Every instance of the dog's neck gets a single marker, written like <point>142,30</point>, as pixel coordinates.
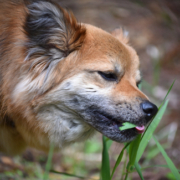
<point>63,127</point>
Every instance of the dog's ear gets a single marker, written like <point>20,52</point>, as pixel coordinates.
<point>121,35</point>
<point>52,33</point>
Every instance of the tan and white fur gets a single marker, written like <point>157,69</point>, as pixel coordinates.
<point>61,80</point>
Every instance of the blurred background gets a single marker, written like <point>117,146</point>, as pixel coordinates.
<point>154,31</point>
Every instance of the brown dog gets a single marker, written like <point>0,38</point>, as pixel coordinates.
<point>61,80</point>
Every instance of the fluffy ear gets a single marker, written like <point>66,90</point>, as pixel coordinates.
<point>121,35</point>
<point>52,33</point>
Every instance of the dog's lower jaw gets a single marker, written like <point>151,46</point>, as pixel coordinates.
<point>63,128</point>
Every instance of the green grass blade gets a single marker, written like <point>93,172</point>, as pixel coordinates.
<point>133,148</point>
<point>155,151</point>
<point>119,159</point>
<point>67,174</point>
<point>48,164</point>
<point>105,167</point>
<point>138,169</point>
<point>72,175</point>
<point>108,143</point>
<point>127,125</point>
<point>152,153</point>
<point>163,101</point>
<point>167,94</point>
<point>127,173</point>
<point>168,160</point>
<point>149,132</point>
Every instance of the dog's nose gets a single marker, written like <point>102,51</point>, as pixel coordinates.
<point>149,109</point>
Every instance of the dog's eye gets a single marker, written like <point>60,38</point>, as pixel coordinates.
<point>108,76</point>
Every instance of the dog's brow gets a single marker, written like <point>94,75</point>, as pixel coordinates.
<point>118,69</point>
<point>99,69</point>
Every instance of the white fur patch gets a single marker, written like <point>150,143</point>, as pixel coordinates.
<point>27,86</point>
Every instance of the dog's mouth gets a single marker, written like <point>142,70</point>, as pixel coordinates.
<point>110,127</point>
<point>138,128</point>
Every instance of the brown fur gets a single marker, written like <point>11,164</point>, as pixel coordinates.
<point>85,49</point>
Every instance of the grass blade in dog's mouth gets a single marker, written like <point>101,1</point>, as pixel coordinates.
<point>127,125</point>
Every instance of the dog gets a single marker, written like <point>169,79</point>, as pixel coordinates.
<point>60,80</point>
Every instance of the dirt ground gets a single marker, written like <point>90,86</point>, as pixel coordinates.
<point>154,31</point>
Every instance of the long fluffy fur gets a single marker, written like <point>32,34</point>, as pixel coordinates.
<point>34,39</point>
<point>53,34</point>
<point>51,84</point>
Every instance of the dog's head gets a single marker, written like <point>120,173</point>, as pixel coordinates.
<point>76,78</point>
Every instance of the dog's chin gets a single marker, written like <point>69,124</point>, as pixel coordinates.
<point>110,128</point>
<point>113,132</point>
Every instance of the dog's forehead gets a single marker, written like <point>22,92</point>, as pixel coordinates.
<point>105,51</point>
